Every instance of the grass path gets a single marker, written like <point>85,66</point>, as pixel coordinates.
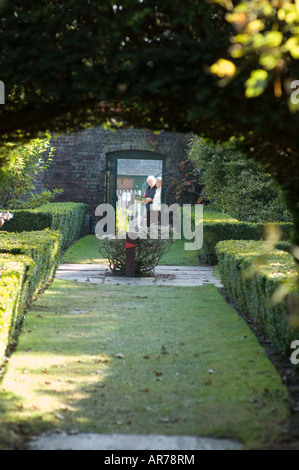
<point>123,359</point>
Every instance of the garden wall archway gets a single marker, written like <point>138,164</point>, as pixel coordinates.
<point>79,164</point>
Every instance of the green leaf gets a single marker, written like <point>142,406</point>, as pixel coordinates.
<point>256,84</point>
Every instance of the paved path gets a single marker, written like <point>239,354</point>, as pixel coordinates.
<point>86,441</point>
<point>164,275</point>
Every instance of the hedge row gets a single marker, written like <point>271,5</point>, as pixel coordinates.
<point>43,247</point>
<point>218,226</point>
<point>14,281</point>
<point>250,278</point>
<point>30,248</point>
<point>67,217</point>
<point>28,263</point>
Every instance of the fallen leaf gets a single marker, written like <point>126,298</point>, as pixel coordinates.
<point>65,408</point>
<point>157,373</point>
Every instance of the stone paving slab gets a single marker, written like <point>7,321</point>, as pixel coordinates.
<point>189,276</point>
<point>89,441</point>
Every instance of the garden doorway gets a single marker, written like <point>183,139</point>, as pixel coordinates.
<point>126,175</point>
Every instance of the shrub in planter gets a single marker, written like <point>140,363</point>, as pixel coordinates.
<point>150,247</point>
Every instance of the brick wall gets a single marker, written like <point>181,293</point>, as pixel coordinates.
<point>80,161</point>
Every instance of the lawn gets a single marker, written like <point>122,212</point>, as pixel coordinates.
<point>86,250</point>
<point>125,359</point>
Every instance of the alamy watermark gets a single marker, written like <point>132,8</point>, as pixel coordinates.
<point>294,356</point>
<point>186,222</point>
<point>2,92</point>
<point>295,86</point>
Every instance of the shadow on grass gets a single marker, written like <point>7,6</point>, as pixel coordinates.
<point>171,361</point>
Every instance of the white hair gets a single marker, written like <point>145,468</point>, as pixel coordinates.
<point>151,178</point>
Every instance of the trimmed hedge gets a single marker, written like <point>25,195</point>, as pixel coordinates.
<point>14,282</point>
<point>67,217</point>
<point>218,226</point>
<point>250,278</point>
<point>43,247</point>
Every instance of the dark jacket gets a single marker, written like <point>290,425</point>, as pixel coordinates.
<point>150,192</point>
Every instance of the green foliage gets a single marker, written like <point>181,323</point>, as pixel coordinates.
<point>67,217</point>
<point>43,247</point>
<point>187,188</point>
<point>251,278</point>
<point>37,200</point>
<point>218,226</point>
<point>27,162</point>
<point>119,73</point>
<point>14,280</point>
<point>236,184</point>
<point>266,30</point>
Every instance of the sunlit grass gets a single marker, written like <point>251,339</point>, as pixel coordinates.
<point>174,361</point>
<point>86,250</point>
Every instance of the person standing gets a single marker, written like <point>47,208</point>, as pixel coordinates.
<point>157,202</point>
<point>149,197</point>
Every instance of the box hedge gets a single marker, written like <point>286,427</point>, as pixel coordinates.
<point>251,277</point>
<point>67,217</point>
<point>14,283</point>
<point>218,226</point>
<point>43,247</point>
